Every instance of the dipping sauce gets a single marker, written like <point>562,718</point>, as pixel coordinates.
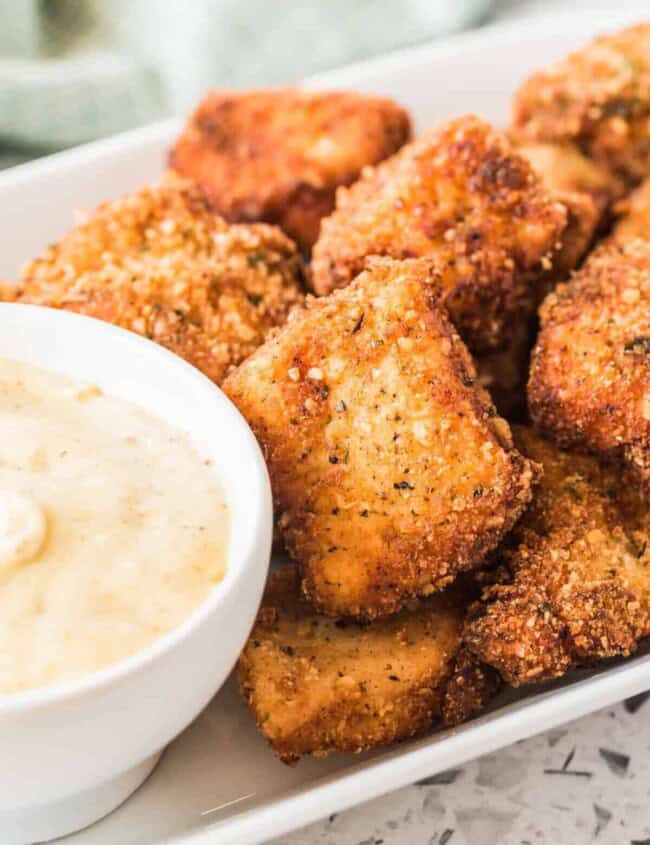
<point>112,528</point>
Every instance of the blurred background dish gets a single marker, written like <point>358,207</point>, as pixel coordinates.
<point>75,70</point>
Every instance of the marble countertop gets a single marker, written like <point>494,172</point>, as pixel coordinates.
<point>588,781</point>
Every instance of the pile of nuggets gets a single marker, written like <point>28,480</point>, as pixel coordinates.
<point>374,306</point>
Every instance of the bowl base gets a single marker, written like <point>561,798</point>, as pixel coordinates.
<point>51,821</point>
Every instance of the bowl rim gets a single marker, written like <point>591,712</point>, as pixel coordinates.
<point>259,514</point>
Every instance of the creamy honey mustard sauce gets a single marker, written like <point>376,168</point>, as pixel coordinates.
<point>112,528</point>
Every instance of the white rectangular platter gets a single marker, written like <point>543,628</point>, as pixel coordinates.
<point>218,783</point>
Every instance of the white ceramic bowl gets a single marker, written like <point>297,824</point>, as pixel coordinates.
<point>70,753</point>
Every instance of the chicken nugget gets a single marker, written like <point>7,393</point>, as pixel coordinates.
<point>590,374</point>
<point>598,98</point>
<point>588,191</point>
<point>317,685</point>
<point>279,155</point>
<point>461,195</point>
<point>390,469</point>
<point>160,263</point>
<point>576,583</point>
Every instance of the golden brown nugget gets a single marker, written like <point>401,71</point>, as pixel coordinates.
<point>462,196</point>
<point>390,469</point>
<point>576,581</point>
<point>587,189</point>
<point>279,155</point>
<point>597,98</point>
<point>317,685</point>
<point>590,375</point>
<point>160,263</point>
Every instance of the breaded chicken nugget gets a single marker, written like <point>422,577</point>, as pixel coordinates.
<point>161,263</point>
<point>576,581</point>
<point>590,373</point>
<point>586,188</point>
<point>279,156</point>
<point>317,685</point>
<point>598,98</point>
<point>390,469</point>
<point>462,196</point>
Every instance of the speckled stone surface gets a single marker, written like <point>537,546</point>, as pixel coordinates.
<point>588,781</point>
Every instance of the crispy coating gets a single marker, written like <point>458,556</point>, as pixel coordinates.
<point>590,375</point>
<point>471,686</point>
<point>565,170</point>
<point>587,189</point>
<point>575,585</point>
<point>462,196</point>
<point>390,469</point>
<point>597,98</point>
<point>279,155</point>
<point>160,263</point>
<point>317,685</point>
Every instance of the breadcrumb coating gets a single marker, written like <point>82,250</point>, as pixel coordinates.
<point>460,195</point>
<point>587,190</point>
<point>160,263</point>
<point>590,375</point>
<point>390,469</point>
<point>317,685</point>
<point>470,687</point>
<point>279,155</point>
<point>598,98</point>
<point>565,170</point>
<point>575,585</point>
